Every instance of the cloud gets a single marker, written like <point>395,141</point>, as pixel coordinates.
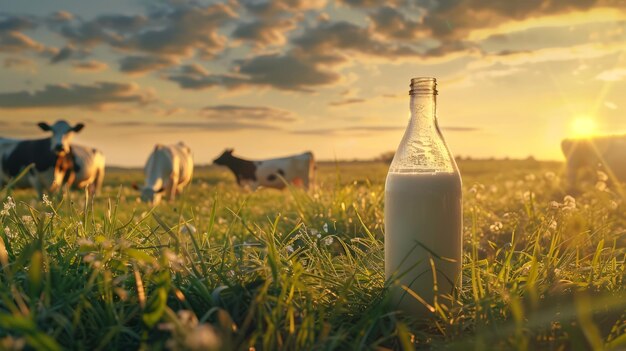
<point>190,126</point>
<point>330,36</point>
<point>15,23</point>
<point>195,77</point>
<point>60,17</point>
<point>552,54</point>
<point>346,102</point>
<point>96,95</point>
<point>291,71</point>
<point>368,130</point>
<point>454,19</point>
<point>247,113</point>
<point>612,75</point>
<point>109,29</point>
<point>90,66</point>
<point>65,53</point>
<point>144,64</point>
<point>392,23</point>
<point>274,7</point>
<point>371,3</point>
<point>264,32</point>
<point>187,29</point>
<point>13,42</point>
<point>19,63</point>
<point>217,126</point>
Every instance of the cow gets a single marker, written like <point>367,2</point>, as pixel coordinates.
<point>271,173</point>
<point>606,153</point>
<point>86,169</point>
<point>48,157</point>
<point>168,170</point>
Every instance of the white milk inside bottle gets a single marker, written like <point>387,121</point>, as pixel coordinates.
<point>423,212</point>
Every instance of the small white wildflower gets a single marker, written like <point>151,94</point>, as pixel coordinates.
<point>613,205</point>
<point>84,242</point>
<point>8,206</point>
<point>49,214</point>
<point>602,177</point>
<point>289,249</point>
<point>569,203</point>
<point>27,220</point>
<point>325,227</point>
<point>552,225</point>
<point>496,227</point>
<point>527,195</point>
<point>314,232</point>
<point>557,272</point>
<point>550,176</point>
<point>601,186</point>
<point>328,240</point>
<point>554,204</point>
<point>176,262</point>
<point>46,201</point>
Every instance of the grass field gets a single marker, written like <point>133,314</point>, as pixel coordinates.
<point>223,268</point>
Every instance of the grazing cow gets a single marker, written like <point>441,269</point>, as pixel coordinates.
<point>606,153</point>
<point>271,173</point>
<point>168,170</point>
<point>47,155</point>
<point>87,169</point>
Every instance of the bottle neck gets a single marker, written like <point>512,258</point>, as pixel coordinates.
<point>423,109</point>
<point>423,149</point>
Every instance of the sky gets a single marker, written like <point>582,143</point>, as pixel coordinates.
<point>272,78</point>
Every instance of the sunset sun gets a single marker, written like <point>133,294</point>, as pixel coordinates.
<point>583,126</point>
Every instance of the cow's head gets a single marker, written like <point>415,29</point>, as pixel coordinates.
<point>62,135</point>
<point>224,158</point>
<point>150,195</point>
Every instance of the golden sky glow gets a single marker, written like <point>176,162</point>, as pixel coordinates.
<point>583,127</point>
<point>280,77</point>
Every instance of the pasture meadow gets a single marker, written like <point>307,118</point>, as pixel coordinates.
<point>227,269</point>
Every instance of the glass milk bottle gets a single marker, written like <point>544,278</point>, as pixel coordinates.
<point>423,211</point>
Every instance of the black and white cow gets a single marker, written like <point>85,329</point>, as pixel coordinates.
<point>87,168</point>
<point>47,155</point>
<point>168,170</point>
<point>272,173</point>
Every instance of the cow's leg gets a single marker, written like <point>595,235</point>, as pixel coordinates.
<point>171,188</point>
<point>305,182</point>
<point>98,181</point>
<point>35,182</point>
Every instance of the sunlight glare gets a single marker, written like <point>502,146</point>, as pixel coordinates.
<point>582,127</point>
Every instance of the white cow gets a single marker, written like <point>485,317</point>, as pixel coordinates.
<point>48,157</point>
<point>272,173</point>
<point>168,170</point>
<point>88,168</point>
<point>606,153</point>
